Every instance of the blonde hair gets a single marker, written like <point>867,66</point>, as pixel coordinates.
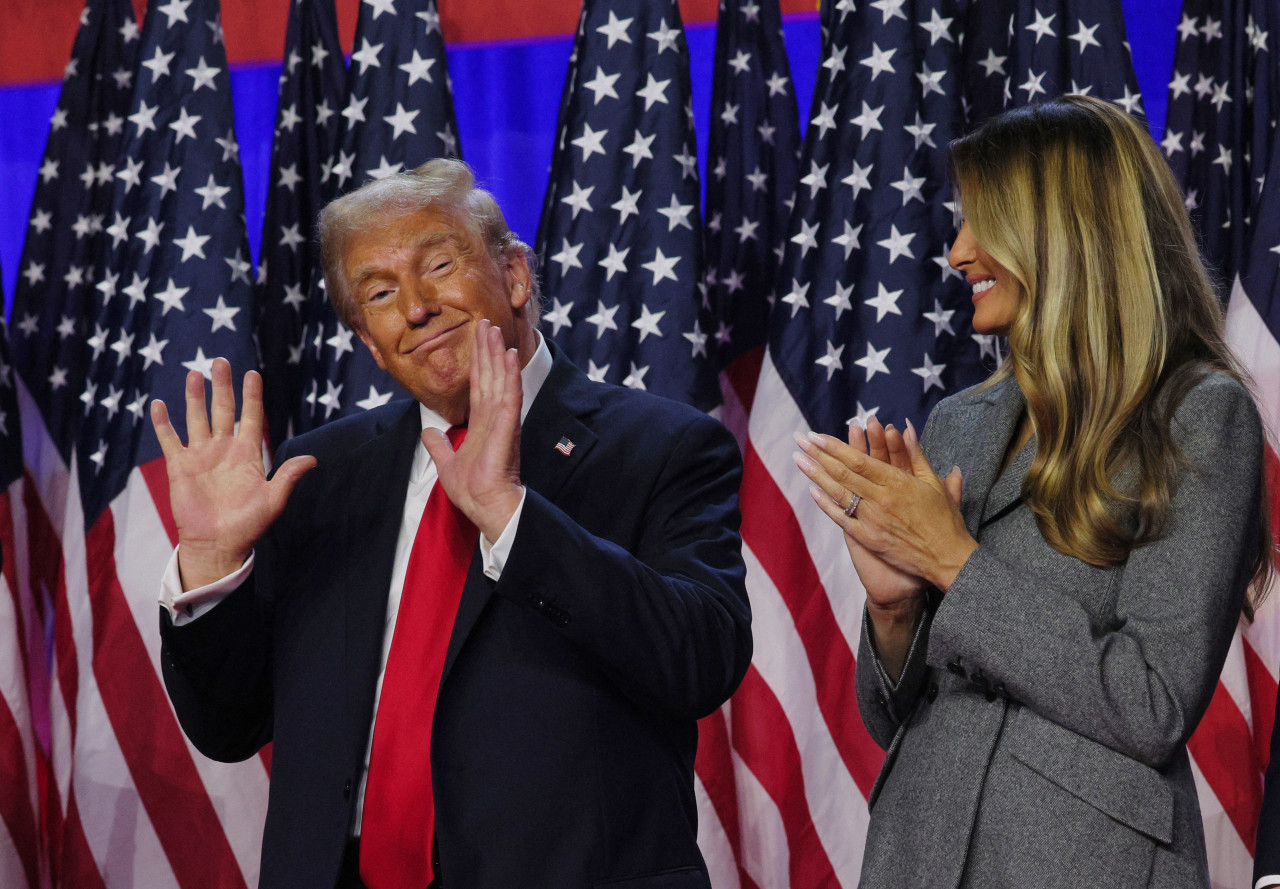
<point>1117,318</point>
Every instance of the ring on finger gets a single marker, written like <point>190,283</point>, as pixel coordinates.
<point>852,509</point>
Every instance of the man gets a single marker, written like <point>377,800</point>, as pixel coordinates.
<point>601,613</point>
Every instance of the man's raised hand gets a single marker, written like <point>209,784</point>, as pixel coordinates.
<point>221,498</point>
<point>482,478</point>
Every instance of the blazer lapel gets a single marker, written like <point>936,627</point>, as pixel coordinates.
<point>992,423</point>
<point>553,443</point>
<point>554,440</point>
<point>1007,490</point>
<point>377,479</point>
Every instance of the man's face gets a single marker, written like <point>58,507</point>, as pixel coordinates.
<point>420,283</point>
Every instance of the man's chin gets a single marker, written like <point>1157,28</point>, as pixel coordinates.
<point>452,405</point>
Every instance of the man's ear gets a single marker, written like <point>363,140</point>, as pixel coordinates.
<point>519,279</point>
<point>372,346</point>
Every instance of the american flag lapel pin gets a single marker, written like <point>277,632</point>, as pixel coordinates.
<point>565,446</point>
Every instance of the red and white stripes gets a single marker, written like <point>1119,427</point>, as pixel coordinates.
<point>127,800</point>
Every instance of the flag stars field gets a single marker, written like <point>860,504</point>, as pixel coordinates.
<point>625,143</point>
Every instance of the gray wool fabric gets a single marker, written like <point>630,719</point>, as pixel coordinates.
<point>1037,736</point>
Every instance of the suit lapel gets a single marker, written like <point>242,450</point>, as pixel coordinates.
<point>377,479</point>
<point>989,428</point>
<point>554,441</point>
<point>1007,489</point>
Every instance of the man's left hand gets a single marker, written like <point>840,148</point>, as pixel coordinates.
<point>482,478</point>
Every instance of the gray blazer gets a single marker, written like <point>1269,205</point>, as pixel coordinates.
<point>1037,736</point>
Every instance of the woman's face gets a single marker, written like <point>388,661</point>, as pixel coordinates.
<point>995,290</point>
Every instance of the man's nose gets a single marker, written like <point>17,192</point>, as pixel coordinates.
<point>417,302</point>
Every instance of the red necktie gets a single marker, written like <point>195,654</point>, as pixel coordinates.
<point>399,813</point>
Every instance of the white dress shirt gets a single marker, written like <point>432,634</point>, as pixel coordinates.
<point>187,606</point>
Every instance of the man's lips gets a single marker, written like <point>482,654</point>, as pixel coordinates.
<point>432,339</point>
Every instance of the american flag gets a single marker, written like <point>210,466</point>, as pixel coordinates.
<point>870,321</point>
<point>865,261</point>
<point>1253,330</point>
<point>69,224</point>
<point>397,114</point>
<point>1220,126</point>
<point>23,755</point>
<point>308,124</point>
<point>619,243</point>
<point>170,290</point>
<point>1219,139</point>
<point>1023,51</point>
<point>60,266</point>
<point>753,154</point>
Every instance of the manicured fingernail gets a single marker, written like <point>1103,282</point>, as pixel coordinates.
<point>817,439</point>
<point>802,461</point>
<point>911,433</point>
<point>800,440</point>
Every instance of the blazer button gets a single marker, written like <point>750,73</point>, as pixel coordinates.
<point>931,694</point>
<point>954,667</point>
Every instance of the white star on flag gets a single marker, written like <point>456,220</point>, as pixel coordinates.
<point>661,266</point>
<point>831,360</point>
<point>874,361</point>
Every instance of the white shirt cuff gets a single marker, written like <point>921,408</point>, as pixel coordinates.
<point>1268,880</point>
<point>187,606</point>
<point>495,554</point>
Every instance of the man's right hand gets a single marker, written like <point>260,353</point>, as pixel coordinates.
<point>221,498</point>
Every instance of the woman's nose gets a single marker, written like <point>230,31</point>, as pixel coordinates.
<point>962,251</point>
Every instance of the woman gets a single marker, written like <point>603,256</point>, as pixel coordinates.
<point>1038,648</point>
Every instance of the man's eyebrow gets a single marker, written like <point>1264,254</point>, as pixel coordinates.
<point>361,274</point>
<point>435,239</point>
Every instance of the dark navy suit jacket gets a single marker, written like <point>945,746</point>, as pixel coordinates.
<point>564,735</point>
